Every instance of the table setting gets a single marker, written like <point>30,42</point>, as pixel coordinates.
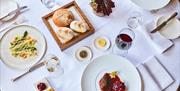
<point>89,45</point>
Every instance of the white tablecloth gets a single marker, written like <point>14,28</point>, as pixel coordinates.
<point>108,26</point>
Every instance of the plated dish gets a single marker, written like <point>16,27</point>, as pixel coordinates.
<point>109,64</point>
<point>172,29</point>
<point>110,81</point>
<point>43,85</point>
<point>7,6</point>
<point>151,4</point>
<point>22,46</point>
<point>102,7</point>
<point>68,25</point>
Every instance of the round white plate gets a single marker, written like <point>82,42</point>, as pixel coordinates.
<point>7,6</point>
<point>151,4</point>
<point>172,29</point>
<point>19,63</point>
<point>110,63</point>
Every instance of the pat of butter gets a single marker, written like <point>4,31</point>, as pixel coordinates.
<point>102,42</point>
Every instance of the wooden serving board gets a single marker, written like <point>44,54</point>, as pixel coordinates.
<point>79,15</point>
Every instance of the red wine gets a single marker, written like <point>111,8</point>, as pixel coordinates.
<point>123,41</point>
<point>125,37</point>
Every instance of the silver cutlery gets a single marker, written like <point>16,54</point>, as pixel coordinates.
<point>14,11</point>
<point>158,28</point>
<point>36,66</point>
<point>18,21</point>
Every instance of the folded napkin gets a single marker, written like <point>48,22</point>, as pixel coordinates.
<point>158,42</point>
<point>154,75</point>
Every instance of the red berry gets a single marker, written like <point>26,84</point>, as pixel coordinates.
<point>41,86</point>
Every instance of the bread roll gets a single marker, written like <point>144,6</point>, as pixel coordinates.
<point>65,34</point>
<point>78,26</point>
<point>62,17</point>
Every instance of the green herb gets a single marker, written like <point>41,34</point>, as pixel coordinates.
<point>25,34</point>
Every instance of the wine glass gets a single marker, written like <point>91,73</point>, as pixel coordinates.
<point>123,41</point>
<point>53,65</point>
<point>51,4</point>
<point>134,20</point>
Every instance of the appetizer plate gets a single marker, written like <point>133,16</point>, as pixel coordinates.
<point>151,4</point>
<point>78,16</point>
<point>108,63</point>
<point>17,62</point>
<point>7,6</point>
<point>172,29</point>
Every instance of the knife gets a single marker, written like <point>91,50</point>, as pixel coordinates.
<point>164,23</point>
<point>13,12</point>
<point>36,66</point>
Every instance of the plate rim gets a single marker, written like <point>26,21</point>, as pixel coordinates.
<point>133,1</point>
<point>116,56</point>
<point>9,30</point>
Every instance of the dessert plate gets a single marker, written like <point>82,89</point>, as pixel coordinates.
<point>17,62</point>
<point>7,6</point>
<point>110,63</point>
<point>172,29</point>
<point>151,4</point>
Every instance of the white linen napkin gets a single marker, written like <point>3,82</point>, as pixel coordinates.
<point>156,40</point>
<point>155,75</point>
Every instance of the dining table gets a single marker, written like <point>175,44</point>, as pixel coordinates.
<point>108,26</point>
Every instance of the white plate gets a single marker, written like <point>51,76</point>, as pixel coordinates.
<point>7,6</point>
<point>151,4</point>
<point>172,29</point>
<point>16,62</point>
<point>108,43</point>
<point>110,63</point>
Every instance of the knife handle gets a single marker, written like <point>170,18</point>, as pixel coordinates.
<point>18,77</point>
<point>164,23</point>
<point>159,27</point>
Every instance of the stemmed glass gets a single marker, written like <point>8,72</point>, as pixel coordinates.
<point>51,4</point>
<point>134,20</point>
<point>53,65</point>
<point>123,41</point>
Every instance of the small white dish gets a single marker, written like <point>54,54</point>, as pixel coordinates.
<point>6,6</point>
<point>79,52</point>
<point>47,84</point>
<point>106,45</point>
<point>171,30</point>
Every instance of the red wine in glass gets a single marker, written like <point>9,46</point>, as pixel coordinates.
<point>123,41</point>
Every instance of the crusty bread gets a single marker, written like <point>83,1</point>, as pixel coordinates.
<point>65,34</point>
<point>78,26</point>
<point>62,17</point>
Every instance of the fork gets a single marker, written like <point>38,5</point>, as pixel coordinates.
<point>18,21</point>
